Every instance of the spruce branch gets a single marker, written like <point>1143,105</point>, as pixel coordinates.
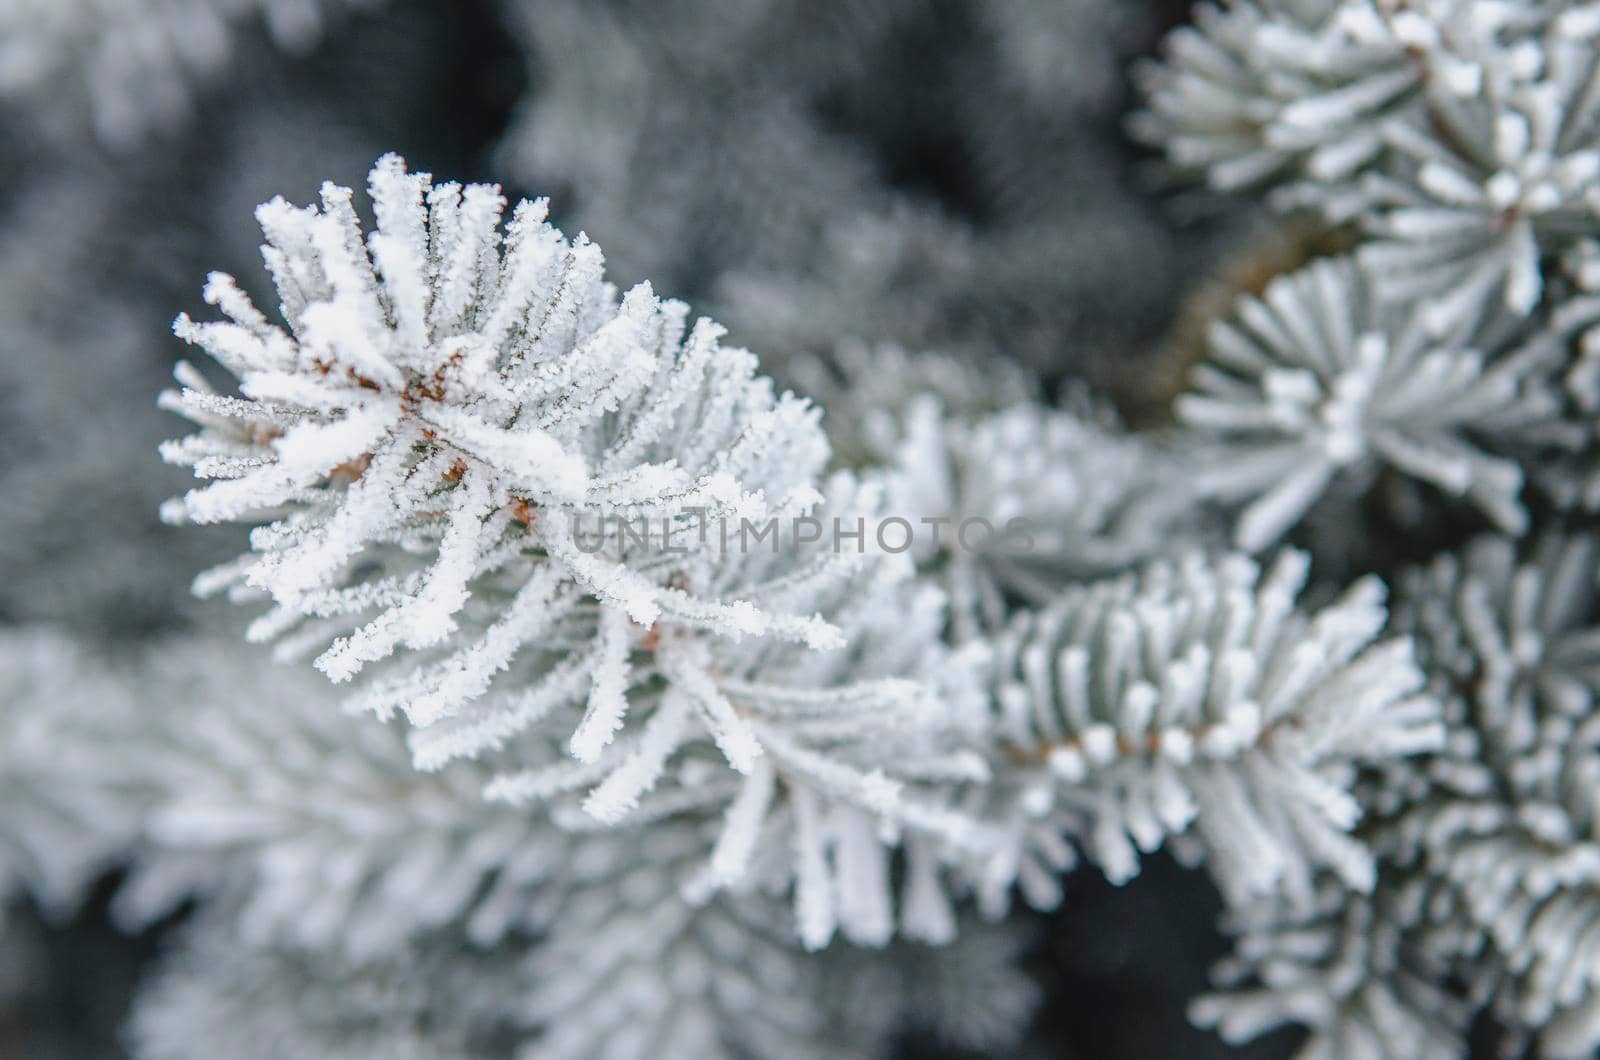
<point>1199,696</point>
<point>1320,382</point>
<point>453,448</point>
<point>1487,861</point>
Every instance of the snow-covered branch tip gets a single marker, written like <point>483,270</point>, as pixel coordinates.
<point>1462,137</point>
<point>1200,696</point>
<point>1319,384</point>
<point>463,443</point>
<point>1504,838</point>
<point>1488,868</point>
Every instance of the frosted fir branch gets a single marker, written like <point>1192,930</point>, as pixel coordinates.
<point>1488,187</point>
<point>1199,696</point>
<point>1459,134</point>
<point>469,706</point>
<point>1504,838</point>
<point>626,965</point>
<point>1320,383</point>
<point>317,849</point>
<point>995,494</point>
<point>129,70</point>
<point>1266,90</point>
<point>1488,871</point>
<point>452,413</point>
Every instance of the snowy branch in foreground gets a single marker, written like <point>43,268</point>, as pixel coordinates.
<point>466,457</point>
